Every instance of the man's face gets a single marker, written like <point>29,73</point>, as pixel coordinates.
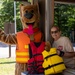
<point>55,33</point>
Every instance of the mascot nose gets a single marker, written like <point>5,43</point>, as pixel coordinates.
<point>28,15</point>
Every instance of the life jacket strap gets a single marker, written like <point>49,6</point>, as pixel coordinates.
<point>53,65</point>
<point>50,56</point>
<point>36,55</point>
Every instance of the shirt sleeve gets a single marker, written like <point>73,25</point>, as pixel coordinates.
<point>68,45</point>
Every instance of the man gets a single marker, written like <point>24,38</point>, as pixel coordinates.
<point>64,49</point>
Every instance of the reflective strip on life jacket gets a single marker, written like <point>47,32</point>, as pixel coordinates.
<point>22,60</point>
<point>22,56</point>
<point>52,62</point>
<point>22,51</point>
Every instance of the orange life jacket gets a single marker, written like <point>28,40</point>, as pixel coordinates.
<point>22,50</point>
<point>38,36</point>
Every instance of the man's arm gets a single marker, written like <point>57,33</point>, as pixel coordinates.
<point>66,54</point>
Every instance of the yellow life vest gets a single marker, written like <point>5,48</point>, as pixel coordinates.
<point>22,50</point>
<point>52,62</point>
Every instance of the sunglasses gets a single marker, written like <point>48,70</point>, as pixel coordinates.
<point>52,32</point>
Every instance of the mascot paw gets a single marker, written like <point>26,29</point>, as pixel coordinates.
<point>47,46</point>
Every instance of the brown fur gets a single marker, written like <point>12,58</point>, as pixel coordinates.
<point>11,38</point>
<point>47,46</point>
<point>35,18</point>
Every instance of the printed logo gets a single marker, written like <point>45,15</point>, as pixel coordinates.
<point>60,48</point>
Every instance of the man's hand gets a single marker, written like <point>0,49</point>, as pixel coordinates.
<point>60,53</point>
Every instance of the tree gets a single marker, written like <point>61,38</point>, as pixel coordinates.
<point>7,13</point>
<point>65,18</point>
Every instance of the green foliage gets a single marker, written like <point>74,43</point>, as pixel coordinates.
<point>7,13</point>
<point>65,17</point>
<point>18,21</point>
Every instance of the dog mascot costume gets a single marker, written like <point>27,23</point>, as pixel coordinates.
<point>31,33</point>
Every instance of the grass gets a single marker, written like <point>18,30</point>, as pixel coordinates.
<point>7,66</point>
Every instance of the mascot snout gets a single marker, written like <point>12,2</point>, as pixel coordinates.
<point>28,15</point>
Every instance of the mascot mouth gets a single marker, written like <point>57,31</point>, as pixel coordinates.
<point>30,23</point>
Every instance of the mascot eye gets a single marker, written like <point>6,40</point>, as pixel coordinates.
<point>32,11</point>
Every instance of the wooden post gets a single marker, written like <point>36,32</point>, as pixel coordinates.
<point>9,28</point>
<point>41,4</point>
<point>65,1</point>
<point>49,18</point>
<point>46,8</point>
<point>9,51</point>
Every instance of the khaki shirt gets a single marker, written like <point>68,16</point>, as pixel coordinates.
<point>64,44</point>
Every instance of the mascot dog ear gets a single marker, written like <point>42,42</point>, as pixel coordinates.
<point>23,4</point>
<point>21,10</point>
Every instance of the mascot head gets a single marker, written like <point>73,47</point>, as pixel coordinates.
<point>29,16</point>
